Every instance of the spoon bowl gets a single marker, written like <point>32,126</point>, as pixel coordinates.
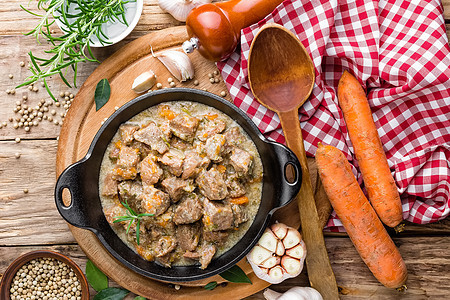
<point>282,73</point>
<point>281,76</point>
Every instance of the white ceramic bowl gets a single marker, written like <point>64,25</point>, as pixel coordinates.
<point>116,31</point>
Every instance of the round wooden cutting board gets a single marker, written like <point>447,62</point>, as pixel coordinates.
<point>80,126</point>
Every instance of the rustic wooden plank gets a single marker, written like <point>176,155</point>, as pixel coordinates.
<point>17,21</point>
<point>31,218</point>
<point>427,260</point>
<point>26,219</point>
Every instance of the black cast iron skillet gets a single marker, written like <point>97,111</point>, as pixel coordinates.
<point>85,210</point>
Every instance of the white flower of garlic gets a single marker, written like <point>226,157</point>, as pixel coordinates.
<point>180,9</point>
<point>178,63</point>
<point>279,254</point>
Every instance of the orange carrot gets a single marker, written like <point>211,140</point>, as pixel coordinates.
<point>239,200</point>
<point>380,185</point>
<point>363,226</point>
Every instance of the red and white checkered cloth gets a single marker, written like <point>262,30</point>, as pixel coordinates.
<point>398,50</point>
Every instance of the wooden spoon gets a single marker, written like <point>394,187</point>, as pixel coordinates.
<point>281,76</point>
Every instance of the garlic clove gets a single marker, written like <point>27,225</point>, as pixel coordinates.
<point>258,255</point>
<point>280,249</point>
<point>276,273</point>
<point>178,64</point>
<point>292,238</point>
<point>271,262</point>
<point>144,82</point>
<point>297,293</point>
<point>291,265</point>
<point>180,9</point>
<point>298,251</point>
<point>280,230</point>
<point>268,240</point>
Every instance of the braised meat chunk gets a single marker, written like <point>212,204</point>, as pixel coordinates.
<point>174,162</point>
<point>152,136</point>
<point>193,164</point>
<point>184,126</point>
<point>155,201</point>
<point>217,216</point>
<point>126,133</point>
<point>212,184</point>
<point>215,147</point>
<point>126,166</point>
<point>109,186</point>
<point>216,237</point>
<point>165,245</point>
<point>234,136</point>
<point>150,170</point>
<point>235,187</point>
<point>188,236</point>
<point>175,187</point>
<point>130,191</point>
<point>189,210</point>
<point>113,212</point>
<point>241,160</point>
<point>239,215</point>
<point>210,125</point>
<point>204,254</point>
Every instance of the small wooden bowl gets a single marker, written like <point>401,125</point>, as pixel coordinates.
<point>5,284</point>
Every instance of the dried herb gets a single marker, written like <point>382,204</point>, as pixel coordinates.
<point>112,293</point>
<point>102,93</point>
<point>235,274</point>
<point>81,21</point>
<point>95,277</point>
<point>210,286</point>
<point>131,217</point>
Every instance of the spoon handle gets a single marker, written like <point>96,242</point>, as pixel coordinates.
<point>321,276</point>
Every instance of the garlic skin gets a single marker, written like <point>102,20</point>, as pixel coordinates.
<point>144,82</point>
<point>180,9</point>
<point>279,254</point>
<point>295,293</point>
<point>178,64</point>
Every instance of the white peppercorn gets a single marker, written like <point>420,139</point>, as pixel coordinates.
<point>44,285</point>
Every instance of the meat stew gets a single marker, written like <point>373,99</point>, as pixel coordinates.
<point>194,170</point>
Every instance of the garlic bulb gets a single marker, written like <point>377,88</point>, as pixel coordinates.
<point>295,293</point>
<point>279,254</point>
<point>178,63</point>
<point>144,82</point>
<point>179,9</point>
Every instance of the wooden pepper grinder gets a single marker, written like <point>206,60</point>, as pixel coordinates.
<point>214,29</point>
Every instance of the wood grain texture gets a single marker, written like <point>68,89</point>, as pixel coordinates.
<point>424,247</point>
<point>426,264</point>
<point>29,218</point>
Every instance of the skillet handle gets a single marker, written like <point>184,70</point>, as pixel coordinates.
<point>288,189</point>
<point>76,212</point>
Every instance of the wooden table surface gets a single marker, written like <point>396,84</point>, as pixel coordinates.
<point>30,221</point>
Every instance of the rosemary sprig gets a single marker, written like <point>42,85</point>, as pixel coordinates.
<point>81,21</point>
<point>132,217</point>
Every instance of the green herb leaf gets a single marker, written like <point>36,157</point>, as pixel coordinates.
<point>111,293</point>
<point>210,286</point>
<point>140,298</point>
<point>96,278</point>
<point>102,93</point>
<point>235,274</point>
